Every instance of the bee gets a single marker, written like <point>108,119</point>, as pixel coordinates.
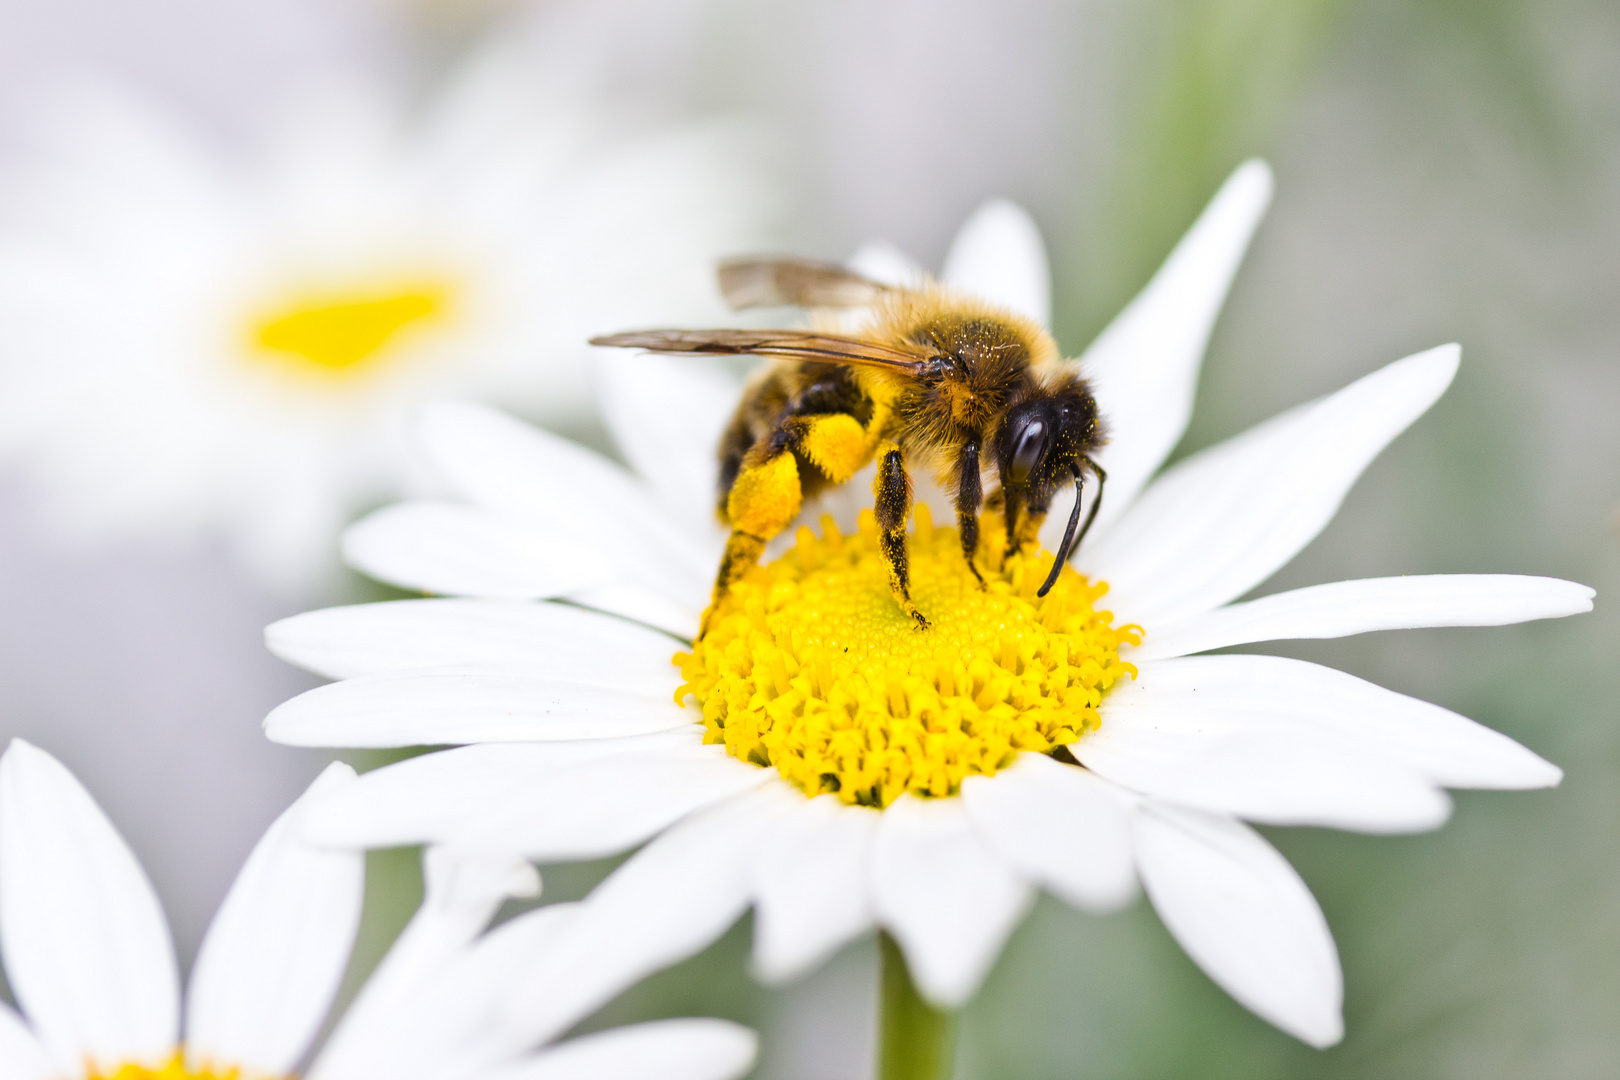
<point>938,379</point>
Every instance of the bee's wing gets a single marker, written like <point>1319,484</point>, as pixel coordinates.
<point>793,344</point>
<point>771,281</point>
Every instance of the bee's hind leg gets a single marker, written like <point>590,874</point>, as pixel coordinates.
<point>764,497</point>
<point>892,505</point>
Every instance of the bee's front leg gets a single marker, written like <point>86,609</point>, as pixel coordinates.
<point>892,505</point>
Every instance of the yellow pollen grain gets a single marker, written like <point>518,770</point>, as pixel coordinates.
<point>173,1069</point>
<point>336,334</point>
<point>810,665</point>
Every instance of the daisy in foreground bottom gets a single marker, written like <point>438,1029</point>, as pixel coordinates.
<point>88,955</point>
<point>921,783</point>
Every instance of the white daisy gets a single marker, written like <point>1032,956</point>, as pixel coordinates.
<point>198,341</point>
<point>581,752</point>
<point>89,958</point>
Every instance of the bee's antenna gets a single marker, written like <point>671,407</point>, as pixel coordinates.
<point>1063,551</point>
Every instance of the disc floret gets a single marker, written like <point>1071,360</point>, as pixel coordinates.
<point>810,666</point>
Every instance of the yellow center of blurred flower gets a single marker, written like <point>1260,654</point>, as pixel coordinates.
<point>173,1069</point>
<point>344,333</point>
<point>810,665</point>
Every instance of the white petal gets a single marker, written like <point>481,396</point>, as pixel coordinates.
<point>21,1055</point>
<point>944,894</point>
<point>690,1049</point>
<point>882,261</point>
<point>670,900</point>
<point>86,947</point>
<point>666,414</point>
<point>1060,827</point>
<point>1202,700</point>
<point>536,478</point>
<point>268,969</point>
<point>810,888</point>
<point>510,798</point>
<point>641,605</point>
<point>463,890</point>
<point>425,708</point>
<point>1144,366</point>
<point>1222,521</point>
<point>1356,607</point>
<point>998,255</point>
<point>556,640</point>
<point>1245,917</point>
<point>449,1024</point>
<point>464,551</point>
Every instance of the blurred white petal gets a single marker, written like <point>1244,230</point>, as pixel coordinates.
<point>21,1055</point>
<point>86,947</point>
<point>660,1050</point>
<point>272,959</point>
<point>998,255</point>
<point>670,900</point>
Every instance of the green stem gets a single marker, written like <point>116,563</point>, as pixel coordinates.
<point>916,1041</point>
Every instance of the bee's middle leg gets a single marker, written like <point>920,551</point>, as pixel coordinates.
<point>892,505</point>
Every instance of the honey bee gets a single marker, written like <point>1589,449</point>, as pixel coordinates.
<point>938,379</point>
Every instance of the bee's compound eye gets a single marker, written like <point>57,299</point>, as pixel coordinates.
<point>1027,453</point>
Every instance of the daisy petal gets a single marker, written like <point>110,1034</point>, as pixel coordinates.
<point>1245,917</point>
<point>1199,702</point>
<point>86,947</point>
<point>1356,607</point>
<point>531,476</point>
<point>671,899</point>
<point>688,1049</point>
<point>508,797</point>
<point>1222,521</point>
<point>666,415</point>
<point>640,605</point>
<point>1144,366</point>
<point>270,964</point>
<point>463,890</point>
<point>998,254</point>
<point>556,640</point>
<point>425,708</point>
<point>882,261</point>
<point>810,887</point>
<point>1059,826</point>
<point>21,1055</point>
<point>944,894</point>
<point>463,551</point>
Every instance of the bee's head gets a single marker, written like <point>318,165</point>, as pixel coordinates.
<point>1044,437</point>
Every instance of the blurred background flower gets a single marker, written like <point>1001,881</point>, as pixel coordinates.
<point>1447,170</point>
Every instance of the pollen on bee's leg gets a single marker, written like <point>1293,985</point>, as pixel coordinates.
<point>765,496</point>
<point>837,444</point>
<point>809,664</point>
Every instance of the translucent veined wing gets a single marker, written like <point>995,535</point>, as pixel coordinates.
<point>792,344</point>
<point>774,281</point>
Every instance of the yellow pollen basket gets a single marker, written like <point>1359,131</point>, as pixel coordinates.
<point>340,334</point>
<point>173,1069</point>
<point>810,665</point>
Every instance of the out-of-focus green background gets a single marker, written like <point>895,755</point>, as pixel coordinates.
<point>1447,170</point>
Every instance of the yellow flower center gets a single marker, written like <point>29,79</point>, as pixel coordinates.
<point>345,333</point>
<point>173,1069</point>
<point>810,665</point>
